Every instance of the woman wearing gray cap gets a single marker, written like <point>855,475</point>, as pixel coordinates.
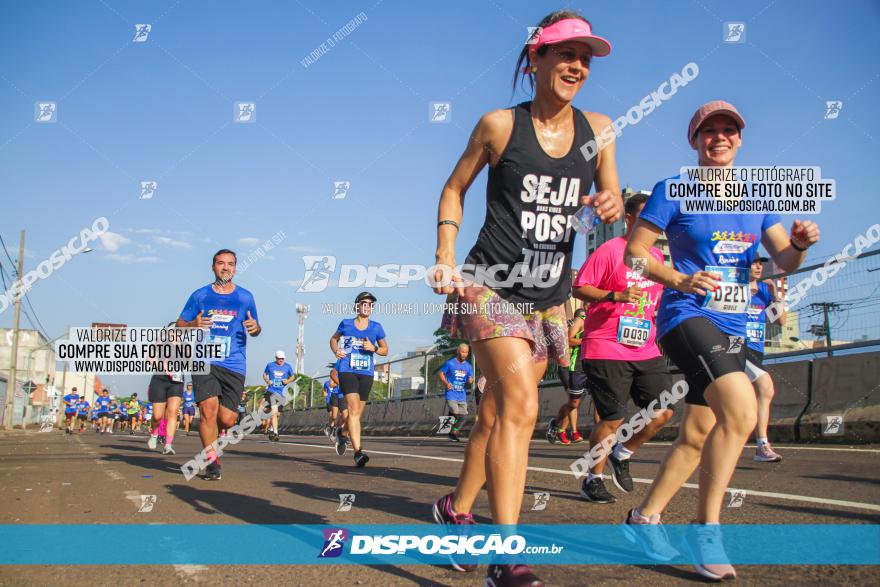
<point>354,343</point>
<point>702,324</point>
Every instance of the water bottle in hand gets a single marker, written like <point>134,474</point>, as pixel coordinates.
<point>585,219</point>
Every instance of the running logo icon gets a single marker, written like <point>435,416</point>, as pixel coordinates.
<point>541,500</point>
<point>245,112</point>
<point>317,276</point>
<point>737,498</point>
<point>147,503</point>
<point>334,542</point>
<point>446,423</point>
<point>832,109</point>
<point>736,344</point>
<point>441,112</point>
<point>734,32</point>
<point>639,266</point>
<point>346,500</point>
<point>141,32</point>
<point>340,189</point>
<point>45,112</point>
<point>833,425</point>
<point>148,189</point>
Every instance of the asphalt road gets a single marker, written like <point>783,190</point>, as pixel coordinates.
<point>53,478</point>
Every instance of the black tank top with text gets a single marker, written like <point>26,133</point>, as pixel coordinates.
<point>523,251</point>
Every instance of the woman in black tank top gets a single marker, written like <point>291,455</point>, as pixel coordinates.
<point>517,275</point>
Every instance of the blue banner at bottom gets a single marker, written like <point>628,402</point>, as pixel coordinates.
<point>136,544</point>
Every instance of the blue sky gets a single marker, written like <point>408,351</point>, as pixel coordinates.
<point>163,110</point>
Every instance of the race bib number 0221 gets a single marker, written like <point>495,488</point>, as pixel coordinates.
<point>732,296</point>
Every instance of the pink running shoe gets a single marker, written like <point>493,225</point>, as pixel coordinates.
<point>765,454</point>
<point>444,515</point>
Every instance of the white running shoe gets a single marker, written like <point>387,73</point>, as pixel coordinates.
<point>169,450</point>
<point>153,442</point>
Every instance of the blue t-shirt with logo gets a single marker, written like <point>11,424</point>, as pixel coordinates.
<point>70,408</point>
<point>351,340</point>
<point>757,314</point>
<point>102,404</point>
<point>82,408</point>
<point>721,243</point>
<point>189,399</point>
<point>277,374</point>
<point>228,311</point>
<point>457,373</point>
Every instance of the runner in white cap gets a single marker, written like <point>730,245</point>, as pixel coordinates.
<point>277,375</point>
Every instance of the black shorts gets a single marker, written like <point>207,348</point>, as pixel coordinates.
<point>754,357</point>
<point>577,384</point>
<point>351,383</point>
<point>612,383</point>
<point>222,383</point>
<point>703,353</point>
<point>478,395</point>
<point>162,387</point>
<point>338,401</point>
<point>82,416</point>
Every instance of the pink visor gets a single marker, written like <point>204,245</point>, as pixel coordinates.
<point>569,29</point>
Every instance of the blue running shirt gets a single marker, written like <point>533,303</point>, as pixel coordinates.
<point>351,340</point>
<point>228,312</point>
<point>721,243</point>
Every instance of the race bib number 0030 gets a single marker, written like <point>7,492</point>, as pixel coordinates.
<point>732,296</point>
<point>633,331</point>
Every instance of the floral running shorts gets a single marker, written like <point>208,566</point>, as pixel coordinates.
<point>475,312</point>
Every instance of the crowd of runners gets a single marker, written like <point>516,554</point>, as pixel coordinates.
<point>702,310</point>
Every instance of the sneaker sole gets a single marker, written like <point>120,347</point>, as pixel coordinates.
<point>589,499</point>
<point>766,459</point>
<point>341,452</point>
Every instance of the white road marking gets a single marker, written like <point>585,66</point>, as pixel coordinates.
<point>786,496</point>
<point>190,570</point>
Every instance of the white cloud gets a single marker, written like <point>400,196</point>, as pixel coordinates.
<point>164,240</point>
<point>146,230</point>
<point>126,259</point>
<point>249,241</point>
<point>112,241</point>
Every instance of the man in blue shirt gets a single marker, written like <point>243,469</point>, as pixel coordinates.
<point>82,412</point>
<point>456,374</point>
<point>102,410</point>
<point>277,375</point>
<point>70,408</point>
<point>230,313</point>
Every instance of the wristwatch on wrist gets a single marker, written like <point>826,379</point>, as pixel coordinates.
<point>610,296</point>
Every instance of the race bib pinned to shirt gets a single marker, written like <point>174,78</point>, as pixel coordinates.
<point>359,359</point>
<point>223,341</point>
<point>732,296</point>
<point>633,331</point>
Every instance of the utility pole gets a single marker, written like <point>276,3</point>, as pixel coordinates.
<point>10,387</point>
<point>826,325</point>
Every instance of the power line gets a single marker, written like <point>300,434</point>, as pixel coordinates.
<point>35,321</point>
